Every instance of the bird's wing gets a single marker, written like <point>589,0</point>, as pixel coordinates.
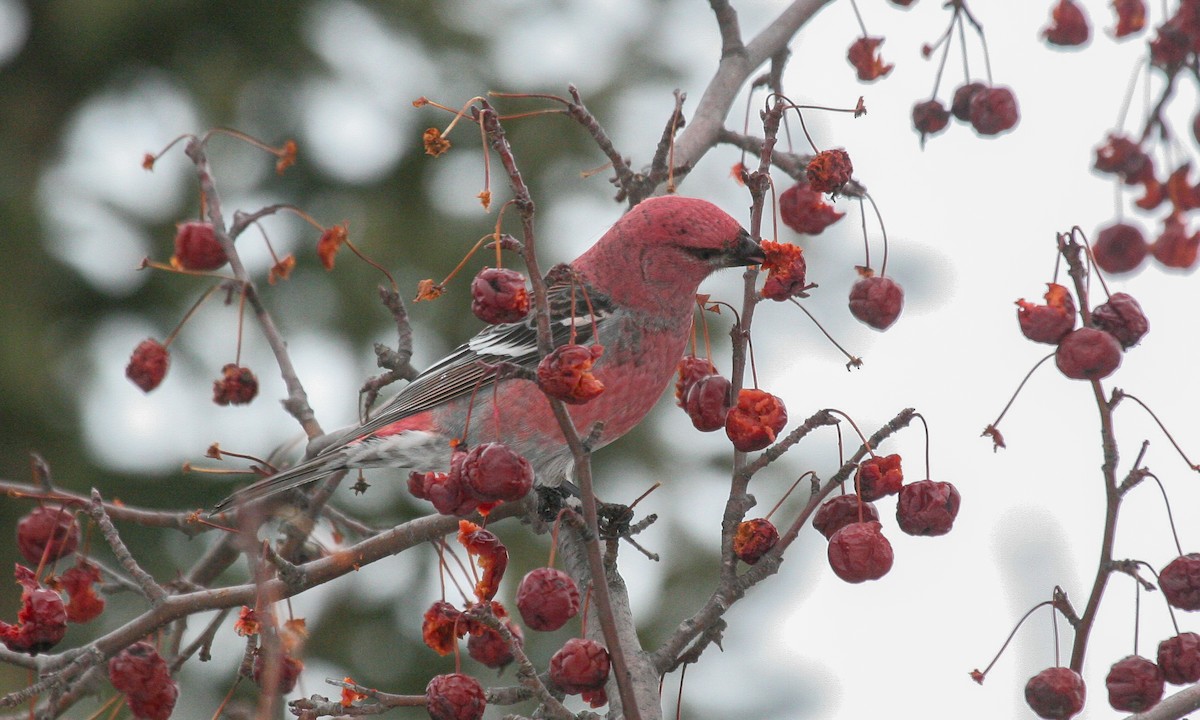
<point>575,309</point>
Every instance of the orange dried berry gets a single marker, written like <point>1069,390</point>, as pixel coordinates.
<point>1175,248</point>
<point>41,621</point>
<point>148,364</point>
<point>804,210</point>
<point>785,268</point>
<point>197,247</point>
<point>247,622</point>
<point>434,143</point>
<point>236,386</point>
<point>282,269</point>
<point>427,289</point>
<point>879,477</point>
<point>756,420</point>
<point>1050,322</point>
<point>287,157</point>
<point>491,555</point>
<point>864,56</point>
<point>691,369</point>
<point>1068,25</point>
<point>332,239</point>
<point>566,373</point>
<point>289,672</point>
<point>442,625</point>
<point>79,583</point>
<point>829,170</point>
<point>753,539</point>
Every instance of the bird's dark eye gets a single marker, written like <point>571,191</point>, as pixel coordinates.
<point>705,254</point>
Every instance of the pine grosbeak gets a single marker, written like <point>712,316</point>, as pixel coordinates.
<point>633,292</point>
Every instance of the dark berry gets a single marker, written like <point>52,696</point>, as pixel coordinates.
<point>879,476</point>
<point>148,364</point>
<point>836,513</point>
<point>236,386</point>
<point>41,621</point>
<point>447,491</point>
<point>1179,658</point>
<point>755,420</point>
<point>708,404</point>
<point>489,647</point>
<point>142,675</point>
<point>691,369</point>
<point>1175,248</point>
<point>1134,684</point>
<point>859,552</point>
<point>498,295</point>
<point>197,247</point>
<point>864,56</point>
<point>455,697</point>
<point>960,106</point>
<point>1120,248</point>
<point>580,665</point>
<point>1056,693</point>
<point>1088,354</point>
<point>1121,317</point>
<point>1180,582</point>
<point>47,531</point>
<point>1068,25</point>
<point>876,301</point>
<point>993,110</point>
<point>753,539</point>
<point>1131,17</point>
<point>829,170</point>
<point>547,598</point>
<point>804,210</point>
<point>441,626</point>
<point>927,507</point>
<point>492,472</point>
<point>930,117</point>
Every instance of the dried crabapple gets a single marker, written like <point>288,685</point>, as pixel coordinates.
<point>490,554</point>
<point>836,513</point>
<point>446,490</point>
<point>1122,317</point>
<point>148,364</point>
<point>498,295</point>
<point>1068,25</point>
<point>876,301</point>
<point>566,373</point>
<point>41,621</point>
<point>236,386</point>
<point>804,210</point>
<point>1180,582</point>
<point>579,665</point>
<point>1056,693</point>
<point>864,56</point>
<point>1169,49</point>
<point>1174,248</point>
<point>487,646</point>
<point>753,539</point>
<point>1088,354</point>
<point>1119,248</point>
<point>1047,323</point>
<point>441,626</point>
<point>708,403</point>
<point>79,583</point>
<point>1125,158</point>
<point>547,598</point>
<point>993,110</point>
<point>289,672</point>
<point>157,705</point>
<point>197,247</point>
<point>785,268</point>
<point>1134,684</point>
<point>1179,658</point>
<point>142,675</point>
<point>754,422</point>
<point>492,472</point>
<point>47,530</point>
<point>455,696</point>
<point>829,170</point>
<point>691,369</point>
<point>879,476</point>
<point>1131,17</point>
<point>930,117</point>
<point>595,698</point>
<point>927,507</point>
<point>859,552</point>
<point>960,105</point>
<point>902,3</point>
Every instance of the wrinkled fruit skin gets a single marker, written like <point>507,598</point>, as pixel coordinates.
<point>1134,684</point>
<point>455,697</point>
<point>579,666</point>
<point>804,210</point>
<point>289,672</point>
<point>488,647</point>
<point>141,674</point>
<point>441,626</point>
<point>566,373</point>
<point>829,170</point>
<point>494,473</point>
<point>47,526</point>
<point>1069,26</point>
<point>1180,582</point>
<point>1047,323</point>
<point>876,301</point>
<point>148,364</point>
<point>930,117</point>
<point>1056,693</point>
<point>753,539</point>
<point>236,386</point>
<point>993,110</point>
<point>927,507</point>
<point>547,598</point>
<point>41,621</point>
<point>446,491</point>
<point>498,295</point>
<point>1179,658</point>
<point>864,56</point>
<point>1122,317</point>
<point>836,513</point>
<point>1120,248</point>
<point>879,477</point>
<point>1088,354</point>
<point>707,403</point>
<point>691,370</point>
<point>755,421</point>
<point>960,106</point>
<point>197,247</point>
<point>859,552</point>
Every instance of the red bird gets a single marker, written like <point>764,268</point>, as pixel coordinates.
<point>633,292</point>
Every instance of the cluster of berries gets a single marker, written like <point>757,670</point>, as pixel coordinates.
<point>1092,352</point>
<point>751,423</point>
<point>989,109</point>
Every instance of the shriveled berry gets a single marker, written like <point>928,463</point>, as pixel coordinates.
<point>864,56</point>
<point>498,295</point>
<point>930,117</point>
<point>993,110</point>
<point>879,476</point>
<point>1088,354</point>
<point>579,665</point>
<point>1068,25</point>
<point>492,472</point>
<point>1179,658</point>
<point>547,598</point>
<point>1056,693</point>
<point>753,539</point>
<point>566,373</point>
<point>289,672</point>
<point>1131,17</point>
<point>447,491</point>
<point>41,621</point>
<point>1123,157</point>
<point>197,247</point>
<point>489,647</point>
<point>595,698</point>
<point>156,705</point>
<point>804,210</point>
<point>755,420</point>
<point>1050,322</point>
<point>859,552</point>
<point>455,697</point>
<point>960,106</point>
<point>691,369</point>
<point>1180,582</point>
<point>49,531</point>
<point>1134,684</point>
<point>142,675</point>
<point>927,507</point>
<point>708,403</point>
<point>838,512</point>
<point>490,555</point>
<point>236,386</point>
<point>876,301</point>
<point>1175,248</point>
<point>148,364</point>
<point>1122,317</point>
<point>785,268</point>
<point>829,170</point>
<point>79,583</point>
<point>1120,248</point>
<point>441,627</point>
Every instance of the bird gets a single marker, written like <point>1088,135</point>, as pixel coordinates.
<point>633,292</point>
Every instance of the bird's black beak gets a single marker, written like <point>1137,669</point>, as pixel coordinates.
<point>745,251</point>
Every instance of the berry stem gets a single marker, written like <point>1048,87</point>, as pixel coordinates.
<point>882,230</point>
<point>1119,394</point>
<point>789,492</point>
<point>866,443</point>
<point>926,426</point>
<point>858,16</point>
<point>993,426</point>
<point>1170,516</point>
<point>853,360</point>
<point>862,214</point>
<point>1013,633</point>
<point>187,315</point>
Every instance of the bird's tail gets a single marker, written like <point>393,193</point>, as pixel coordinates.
<point>284,480</point>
